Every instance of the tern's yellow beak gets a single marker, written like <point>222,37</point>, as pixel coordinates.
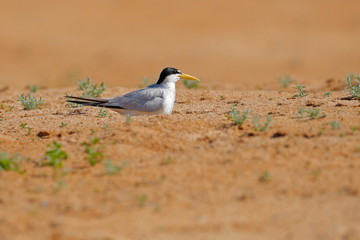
<point>185,76</point>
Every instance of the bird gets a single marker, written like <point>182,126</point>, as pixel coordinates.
<point>158,98</point>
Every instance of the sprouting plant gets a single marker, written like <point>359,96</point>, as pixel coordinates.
<point>11,163</point>
<point>265,177</point>
<point>257,125</point>
<point>127,119</point>
<point>11,107</point>
<point>94,152</point>
<point>33,88</point>
<point>335,125</point>
<point>113,169</point>
<point>89,89</point>
<point>55,156</point>
<point>190,84</point>
<point>166,161</point>
<point>30,102</point>
<point>142,200</point>
<point>327,94</point>
<point>310,113</point>
<point>285,81</point>
<point>102,112</point>
<point>238,119</point>
<point>301,91</point>
<point>222,98</point>
<point>353,88</point>
<point>25,127</point>
<point>63,124</point>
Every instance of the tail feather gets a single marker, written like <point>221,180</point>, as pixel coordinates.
<point>102,100</point>
<point>94,102</point>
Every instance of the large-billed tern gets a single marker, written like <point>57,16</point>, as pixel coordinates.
<point>158,98</point>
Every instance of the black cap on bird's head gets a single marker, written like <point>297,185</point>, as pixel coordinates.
<point>170,71</point>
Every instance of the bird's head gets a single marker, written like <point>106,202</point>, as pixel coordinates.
<point>173,75</point>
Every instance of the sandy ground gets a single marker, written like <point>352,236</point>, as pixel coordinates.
<point>192,174</point>
<point>189,175</point>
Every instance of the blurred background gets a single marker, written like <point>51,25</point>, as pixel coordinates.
<point>237,44</point>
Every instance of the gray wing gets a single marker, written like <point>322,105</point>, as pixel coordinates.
<point>144,100</point>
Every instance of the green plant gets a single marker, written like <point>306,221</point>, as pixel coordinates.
<point>238,119</point>
<point>257,125</point>
<point>301,91</point>
<point>25,127</point>
<point>310,113</point>
<point>222,98</point>
<point>285,81</point>
<point>11,163</point>
<point>11,107</point>
<point>63,124</point>
<point>166,161</point>
<point>335,125</point>
<point>190,84</point>
<point>327,94</point>
<point>55,156</point>
<point>89,89</point>
<point>353,88</point>
<point>102,113</point>
<point>265,177</point>
<point>94,152</point>
<point>142,200</point>
<point>127,119</point>
<point>113,169</point>
<point>33,88</point>
<point>30,102</point>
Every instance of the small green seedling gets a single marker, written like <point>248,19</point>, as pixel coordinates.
<point>55,156</point>
<point>63,124</point>
<point>265,177</point>
<point>166,161</point>
<point>94,152</point>
<point>238,119</point>
<point>25,127</point>
<point>33,88</point>
<point>327,94</point>
<point>335,125</point>
<point>102,112</point>
<point>89,89</point>
<point>285,81</point>
<point>301,91</point>
<point>190,84</point>
<point>257,125</point>
<point>353,88</point>
<point>113,169</point>
<point>11,163</point>
<point>11,107</point>
<point>30,102</point>
<point>310,113</point>
<point>127,119</point>
<point>222,98</point>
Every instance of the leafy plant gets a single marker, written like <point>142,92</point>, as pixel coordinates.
<point>353,88</point>
<point>301,91</point>
<point>102,112</point>
<point>327,94</point>
<point>238,119</point>
<point>63,124</point>
<point>190,84</point>
<point>25,127</point>
<point>55,156</point>
<point>33,88</point>
<point>94,152</point>
<point>285,81</point>
<point>310,113</point>
<point>11,107</point>
<point>335,125</point>
<point>257,125</point>
<point>90,89</point>
<point>11,163</point>
<point>127,119</point>
<point>30,102</point>
<point>265,177</point>
<point>113,169</point>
